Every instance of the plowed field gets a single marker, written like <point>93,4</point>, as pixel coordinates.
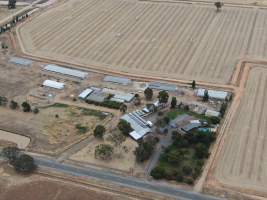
<point>160,39</point>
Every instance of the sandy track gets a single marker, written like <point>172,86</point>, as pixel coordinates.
<point>21,141</point>
<point>242,162</point>
<point>167,40</point>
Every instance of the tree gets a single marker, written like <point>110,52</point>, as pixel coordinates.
<point>3,101</point>
<point>137,100</point>
<point>166,120</point>
<point>193,84</point>
<point>206,96</point>
<point>223,108</point>
<point>125,127</point>
<point>148,93</point>
<point>24,164</point>
<point>12,4</point>
<point>187,170</point>
<point>99,131</point>
<point>13,105</point>
<point>158,172</point>
<point>26,107</point>
<point>35,111</point>
<point>173,102</point>
<point>145,149</point>
<point>104,151</point>
<point>201,151</point>
<point>163,97</point>
<point>123,108</point>
<point>11,153</point>
<point>218,5</point>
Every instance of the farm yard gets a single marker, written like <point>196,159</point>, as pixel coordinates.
<point>157,39</point>
<point>242,162</point>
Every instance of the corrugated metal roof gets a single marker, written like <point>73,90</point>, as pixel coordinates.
<point>53,84</point>
<point>119,95</point>
<point>20,61</point>
<point>162,86</point>
<point>190,126</point>
<point>212,113</point>
<point>222,95</point>
<point>85,93</point>
<point>139,126</point>
<point>118,80</point>
<point>66,71</point>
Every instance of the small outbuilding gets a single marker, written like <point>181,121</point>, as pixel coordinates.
<point>85,93</point>
<point>118,80</point>
<point>215,94</point>
<point>212,113</point>
<point>53,84</point>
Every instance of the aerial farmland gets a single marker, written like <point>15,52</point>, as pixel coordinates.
<point>242,162</point>
<point>157,39</point>
<point>119,94</point>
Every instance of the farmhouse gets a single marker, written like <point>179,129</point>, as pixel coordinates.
<point>53,84</point>
<point>140,126</point>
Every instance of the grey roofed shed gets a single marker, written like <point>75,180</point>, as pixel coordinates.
<point>162,86</point>
<point>20,61</point>
<point>118,80</point>
<point>190,126</point>
<point>66,71</point>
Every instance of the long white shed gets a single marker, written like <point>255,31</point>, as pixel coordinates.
<point>53,84</point>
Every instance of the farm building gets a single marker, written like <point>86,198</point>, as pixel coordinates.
<point>97,96</point>
<point>140,126</point>
<point>163,86</point>
<point>66,71</point>
<point>192,125</point>
<point>215,94</point>
<point>120,96</point>
<point>85,93</point>
<point>53,84</point>
<point>118,80</point>
<point>212,113</point>
<point>20,61</point>
<point>180,120</point>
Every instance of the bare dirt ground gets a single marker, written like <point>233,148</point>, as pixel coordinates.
<point>122,160</point>
<point>21,141</point>
<point>165,40</point>
<point>35,187</point>
<point>5,12</point>
<point>49,134</point>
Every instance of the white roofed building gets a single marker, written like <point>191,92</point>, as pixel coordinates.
<point>53,84</point>
<point>215,94</point>
<point>85,93</point>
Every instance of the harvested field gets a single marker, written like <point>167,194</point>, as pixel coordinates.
<point>155,39</point>
<point>37,187</point>
<point>242,163</point>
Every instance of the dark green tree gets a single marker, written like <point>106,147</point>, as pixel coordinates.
<point>24,164</point>
<point>26,107</point>
<point>158,172</point>
<point>218,5</point>
<point>193,84</point>
<point>173,102</point>
<point>123,108</point>
<point>11,153</point>
<point>163,97</point>
<point>125,127</point>
<point>99,131</point>
<point>206,96</point>
<point>148,93</point>
<point>13,105</point>
<point>12,4</point>
<point>145,149</point>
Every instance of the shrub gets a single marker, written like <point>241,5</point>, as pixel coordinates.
<point>145,149</point>
<point>24,164</point>
<point>35,111</point>
<point>99,131</point>
<point>26,107</point>
<point>103,152</point>
<point>81,129</point>
<point>158,172</point>
<point>187,170</point>
<point>13,105</point>
<point>215,120</point>
<point>148,93</point>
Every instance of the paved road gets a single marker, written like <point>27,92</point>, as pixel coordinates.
<point>132,182</point>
